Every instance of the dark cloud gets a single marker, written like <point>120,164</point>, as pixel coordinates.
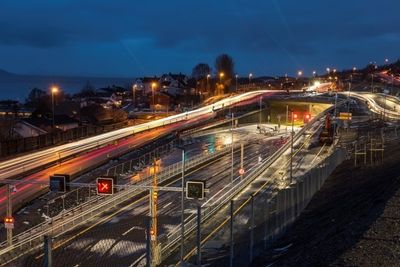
<point>288,31</point>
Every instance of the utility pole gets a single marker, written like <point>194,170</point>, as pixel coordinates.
<point>232,145</point>
<point>9,214</point>
<point>155,257</point>
<point>291,150</point>
<point>241,160</point>
<point>348,99</point>
<point>260,113</point>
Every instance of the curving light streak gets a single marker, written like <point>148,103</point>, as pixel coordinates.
<point>373,105</point>
<point>21,164</point>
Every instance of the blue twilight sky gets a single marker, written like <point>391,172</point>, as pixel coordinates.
<point>134,38</point>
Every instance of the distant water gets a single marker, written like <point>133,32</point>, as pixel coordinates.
<point>17,87</point>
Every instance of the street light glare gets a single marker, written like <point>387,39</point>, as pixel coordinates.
<point>221,74</point>
<point>54,89</point>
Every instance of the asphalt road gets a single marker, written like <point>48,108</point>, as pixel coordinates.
<point>120,240</point>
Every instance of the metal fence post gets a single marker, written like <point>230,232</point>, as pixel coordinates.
<point>48,261</point>
<point>231,236</point>
<point>199,235</point>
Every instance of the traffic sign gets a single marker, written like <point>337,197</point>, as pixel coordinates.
<point>195,189</point>
<point>9,223</point>
<point>105,185</point>
<point>241,171</point>
<point>59,183</point>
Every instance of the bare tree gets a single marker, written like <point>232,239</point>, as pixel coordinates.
<point>200,71</point>
<point>225,64</point>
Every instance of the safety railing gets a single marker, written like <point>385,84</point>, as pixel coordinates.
<point>31,239</point>
<point>209,209</point>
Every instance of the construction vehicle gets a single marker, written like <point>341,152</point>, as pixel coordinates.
<point>326,136</point>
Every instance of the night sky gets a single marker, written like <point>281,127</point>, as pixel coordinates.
<point>135,38</point>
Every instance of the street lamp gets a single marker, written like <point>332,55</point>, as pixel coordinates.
<point>153,86</point>
<point>208,79</point>
<point>299,73</point>
<point>391,91</point>
<point>250,76</point>
<point>232,144</point>
<point>54,90</point>
<point>221,75</point>
<point>134,94</point>
<point>236,77</point>
<point>314,73</point>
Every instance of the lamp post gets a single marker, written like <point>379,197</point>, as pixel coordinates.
<point>54,90</point>
<point>236,77</point>
<point>221,75</point>
<point>250,76</point>
<point>208,80</point>
<point>134,94</point>
<point>153,85</point>
<point>260,112</point>
<point>391,89</point>
<point>348,96</point>
<point>232,144</point>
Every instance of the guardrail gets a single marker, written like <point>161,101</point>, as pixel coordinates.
<point>33,238</point>
<point>209,209</point>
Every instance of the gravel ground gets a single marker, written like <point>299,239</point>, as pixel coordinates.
<point>354,220</point>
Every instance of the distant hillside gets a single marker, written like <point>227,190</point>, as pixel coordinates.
<point>17,86</point>
<point>5,73</point>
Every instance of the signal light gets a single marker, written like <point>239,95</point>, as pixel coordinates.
<point>307,118</point>
<point>59,183</point>
<point>294,116</point>
<point>9,220</point>
<point>195,189</point>
<point>105,186</point>
<point>241,171</point>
